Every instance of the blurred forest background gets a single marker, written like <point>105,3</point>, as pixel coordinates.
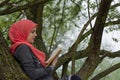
<point>86,30</point>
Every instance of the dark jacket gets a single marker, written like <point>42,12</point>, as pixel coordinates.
<point>30,64</point>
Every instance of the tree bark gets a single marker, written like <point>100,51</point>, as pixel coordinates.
<point>9,68</point>
<point>94,45</point>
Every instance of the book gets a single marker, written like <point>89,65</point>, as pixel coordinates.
<point>55,54</point>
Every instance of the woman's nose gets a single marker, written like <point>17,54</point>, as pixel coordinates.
<point>35,34</point>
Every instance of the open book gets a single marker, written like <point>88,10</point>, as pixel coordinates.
<point>53,56</point>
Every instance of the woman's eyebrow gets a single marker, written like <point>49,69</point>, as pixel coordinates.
<point>33,30</point>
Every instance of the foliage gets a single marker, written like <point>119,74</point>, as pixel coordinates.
<point>63,21</point>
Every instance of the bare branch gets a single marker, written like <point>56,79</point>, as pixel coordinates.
<point>106,72</point>
<point>23,7</point>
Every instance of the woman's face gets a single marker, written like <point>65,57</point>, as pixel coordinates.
<point>32,35</point>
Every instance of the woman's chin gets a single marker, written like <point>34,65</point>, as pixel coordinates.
<point>31,42</point>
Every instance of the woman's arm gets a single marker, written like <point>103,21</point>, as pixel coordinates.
<point>23,55</point>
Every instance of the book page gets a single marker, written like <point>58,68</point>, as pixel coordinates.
<point>53,56</point>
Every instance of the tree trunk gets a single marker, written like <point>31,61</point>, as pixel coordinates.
<point>9,68</point>
<point>94,46</point>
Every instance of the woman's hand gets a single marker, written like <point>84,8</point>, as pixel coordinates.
<point>46,62</point>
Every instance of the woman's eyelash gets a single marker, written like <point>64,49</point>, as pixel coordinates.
<point>33,31</point>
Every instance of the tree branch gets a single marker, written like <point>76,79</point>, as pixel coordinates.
<point>106,72</point>
<point>4,3</point>
<point>23,7</point>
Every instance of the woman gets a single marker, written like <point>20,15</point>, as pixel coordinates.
<point>22,34</point>
<point>32,60</point>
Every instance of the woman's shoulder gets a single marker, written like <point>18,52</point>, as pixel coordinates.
<point>23,46</point>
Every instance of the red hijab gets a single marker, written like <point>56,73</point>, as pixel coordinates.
<point>18,33</point>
